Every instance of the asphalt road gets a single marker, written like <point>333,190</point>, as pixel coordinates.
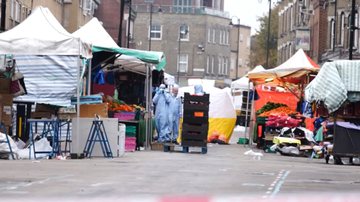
<point>223,174</point>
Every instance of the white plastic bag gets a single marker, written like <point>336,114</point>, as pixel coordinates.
<point>42,145</point>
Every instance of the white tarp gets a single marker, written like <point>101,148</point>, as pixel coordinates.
<point>95,34</point>
<point>169,79</point>
<point>53,82</point>
<point>296,66</point>
<point>41,34</point>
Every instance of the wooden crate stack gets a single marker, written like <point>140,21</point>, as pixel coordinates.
<point>196,120</point>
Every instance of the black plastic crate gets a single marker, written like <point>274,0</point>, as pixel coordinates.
<point>195,120</point>
<point>197,98</point>
<point>195,127</point>
<point>196,113</point>
<point>196,106</point>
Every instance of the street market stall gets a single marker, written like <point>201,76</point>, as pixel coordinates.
<point>132,73</point>
<point>50,60</point>
<point>337,89</point>
<point>280,92</point>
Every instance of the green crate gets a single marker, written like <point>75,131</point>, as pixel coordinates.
<point>261,120</point>
<point>243,141</point>
<point>130,134</point>
<point>130,129</point>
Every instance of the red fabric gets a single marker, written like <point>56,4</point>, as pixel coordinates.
<point>309,123</point>
<point>277,97</point>
<point>259,131</point>
<point>107,89</point>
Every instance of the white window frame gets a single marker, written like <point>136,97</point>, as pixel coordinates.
<point>184,37</point>
<point>356,32</point>
<point>208,64</point>
<point>87,4</point>
<point>342,28</point>
<point>17,12</point>
<point>212,64</point>
<point>154,32</point>
<point>220,37</point>
<point>332,27</point>
<point>220,65</point>
<point>224,66</point>
<point>227,37</point>
<point>214,36</point>
<point>183,60</point>
<point>209,35</point>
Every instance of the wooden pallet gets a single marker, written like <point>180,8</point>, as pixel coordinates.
<point>169,147</point>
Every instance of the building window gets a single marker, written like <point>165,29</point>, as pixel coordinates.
<point>214,35</point>
<point>212,64</point>
<point>221,37</point>
<point>207,64</point>
<point>183,63</point>
<point>342,28</point>
<point>182,6</point>
<point>241,37</point>
<point>356,32</point>
<point>209,35</point>
<point>155,32</point>
<point>332,34</point>
<point>227,37</point>
<point>225,66</point>
<point>248,41</point>
<point>291,17</point>
<point>220,65</point>
<point>184,33</point>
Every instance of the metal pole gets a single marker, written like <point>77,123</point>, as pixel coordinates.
<point>122,6</point>
<point>3,14</point>
<point>352,30</point>
<point>178,63</point>
<point>151,11</point>
<point>268,37</point>
<point>129,20</point>
<point>238,50</point>
<point>334,31</point>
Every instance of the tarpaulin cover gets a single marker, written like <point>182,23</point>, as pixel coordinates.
<point>276,97</point>
<point>222,115</point>
<point>53,82</point>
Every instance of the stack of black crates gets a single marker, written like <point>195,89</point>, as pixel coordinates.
<point>195,122</point>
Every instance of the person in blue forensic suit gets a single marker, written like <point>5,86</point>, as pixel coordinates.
<point>198,90</point>
<point>174,113</point>
<point>161,101</point>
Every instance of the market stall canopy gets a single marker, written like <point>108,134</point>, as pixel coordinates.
<point>294,68</point>
<point>94,33</point>
<point>41,34</point>
<point>243,82</point>
<point>336,82</point>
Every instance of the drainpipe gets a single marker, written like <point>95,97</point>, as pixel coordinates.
<point>3,12</point>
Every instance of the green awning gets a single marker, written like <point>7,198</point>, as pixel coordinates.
<point>152,57</point>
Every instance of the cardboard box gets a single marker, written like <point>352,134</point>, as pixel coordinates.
<point>89,110</point>
<point>6,101</point>
<point>5,85</point>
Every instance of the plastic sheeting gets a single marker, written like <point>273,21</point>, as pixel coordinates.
<point>48,79</point>
<point>222,115</point>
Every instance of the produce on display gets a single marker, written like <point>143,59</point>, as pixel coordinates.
<point>269,106</point>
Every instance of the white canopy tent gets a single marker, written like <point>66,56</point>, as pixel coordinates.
<point>41,34</point>
<point>296,66</point>
<point>47,55</point>
<point>142,62</point>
